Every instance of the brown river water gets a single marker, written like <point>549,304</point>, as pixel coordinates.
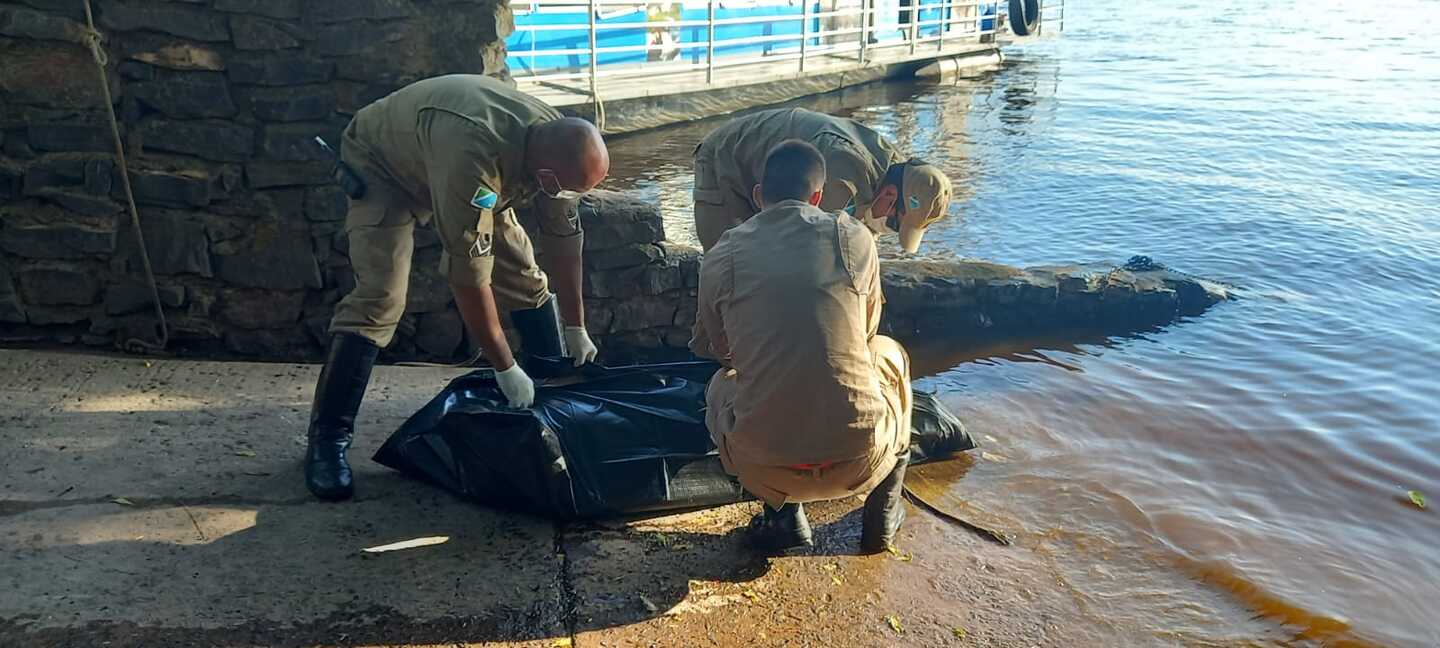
<point>1266,448</point>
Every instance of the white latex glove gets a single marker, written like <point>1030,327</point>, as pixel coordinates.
<point>516,386</point>
<point>577,342</point>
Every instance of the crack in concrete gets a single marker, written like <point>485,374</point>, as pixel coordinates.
<point>569,600</point>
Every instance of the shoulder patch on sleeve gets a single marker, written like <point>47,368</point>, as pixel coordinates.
<point>484,198</point>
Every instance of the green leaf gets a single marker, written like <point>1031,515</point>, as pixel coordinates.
<point>1417,498</point>
<point>958,632</point>
<point>894,622</point>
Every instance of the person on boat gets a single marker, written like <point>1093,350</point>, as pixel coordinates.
<point>868,177</point>
<point>810,403</point>
<point>462,151</point>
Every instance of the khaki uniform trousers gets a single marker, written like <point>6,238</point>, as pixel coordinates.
<point>778,485</point>
<point>381,228</point>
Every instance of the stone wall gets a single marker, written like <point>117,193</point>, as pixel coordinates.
<point>218,102</point>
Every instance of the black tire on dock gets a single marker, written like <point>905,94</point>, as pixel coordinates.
<point>1024,17</point>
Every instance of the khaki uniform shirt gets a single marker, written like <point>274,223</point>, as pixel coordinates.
<point>790,299</point>
<point>856,157</point>
<point>457,145</point>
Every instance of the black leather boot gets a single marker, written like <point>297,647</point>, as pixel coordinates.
<point>884,510</point>
<point>332,415</point>
<point>780,530</point>
<point>542,344</point>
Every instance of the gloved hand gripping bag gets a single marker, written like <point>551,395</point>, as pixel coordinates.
<point>615,441</point>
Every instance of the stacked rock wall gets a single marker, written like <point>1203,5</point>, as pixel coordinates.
<point>218,103</point>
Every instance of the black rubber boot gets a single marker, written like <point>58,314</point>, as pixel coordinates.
<point>542,344</point>
<point>884,511</point>
<point>332,415</point>
<point>780,530</point>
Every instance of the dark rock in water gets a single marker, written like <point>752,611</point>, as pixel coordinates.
<point>283,260</point>
<point>969,297</point>
<point>56,284</point>
<point>212,140</point>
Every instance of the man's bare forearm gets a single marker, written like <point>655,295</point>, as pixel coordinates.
<point>482,319</point>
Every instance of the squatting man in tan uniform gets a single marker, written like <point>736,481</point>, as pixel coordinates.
<point>810,403</point>
<point>460,150</point>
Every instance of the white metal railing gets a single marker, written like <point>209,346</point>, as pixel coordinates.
<point>929,25</point>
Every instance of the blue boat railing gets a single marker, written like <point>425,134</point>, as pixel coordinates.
<point>580,40</point>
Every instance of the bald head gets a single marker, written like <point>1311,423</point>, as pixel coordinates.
<point>573,149</point>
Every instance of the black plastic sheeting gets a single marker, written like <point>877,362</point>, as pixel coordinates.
<point>610,441</point>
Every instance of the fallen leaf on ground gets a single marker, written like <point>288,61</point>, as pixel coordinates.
<point>651,607</point>
<point>244,453</point>
<point>895,551</point>
<point>958,632</point>
<point>563,642</point>
<point>1417,498</point>
<point>123,502</point>
<point>894,622</point>
<point>836,580</point>
<point>830,567</point>
<point>408,544</point>
<point>149,364</point>
<point>751,594</point>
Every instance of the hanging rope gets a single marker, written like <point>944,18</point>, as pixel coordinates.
<point>93,39</point>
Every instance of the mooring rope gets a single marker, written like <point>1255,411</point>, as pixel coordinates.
<point>93,38</point>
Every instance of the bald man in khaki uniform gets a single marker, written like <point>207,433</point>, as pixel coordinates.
<point>867,177</point>
<point>460,152</point>
<point>811,403</point>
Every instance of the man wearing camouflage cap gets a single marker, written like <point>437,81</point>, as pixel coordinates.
<point>460,151</point>
<point>867,176</point>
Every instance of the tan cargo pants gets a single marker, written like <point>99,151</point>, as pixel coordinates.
<point>778,485</point>
<point>381,228</point>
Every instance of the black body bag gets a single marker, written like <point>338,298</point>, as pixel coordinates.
<point>609,441</point>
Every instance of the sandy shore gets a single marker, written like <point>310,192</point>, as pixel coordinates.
<point>160,503</point>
